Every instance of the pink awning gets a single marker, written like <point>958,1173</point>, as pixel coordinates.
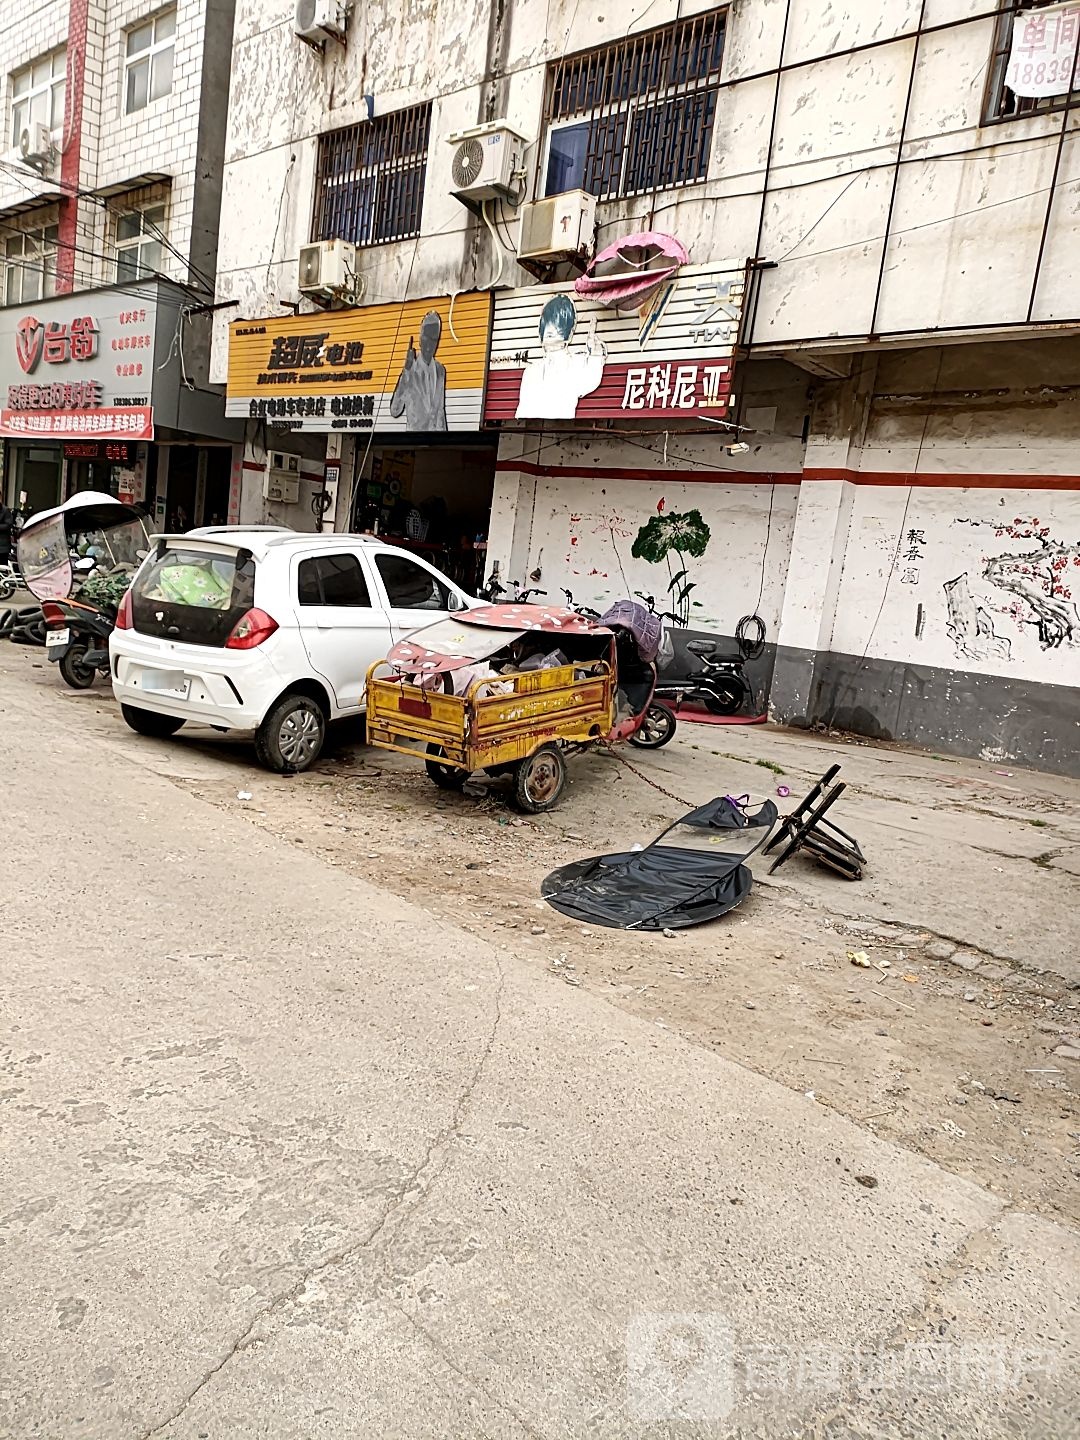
<point>642,262</point>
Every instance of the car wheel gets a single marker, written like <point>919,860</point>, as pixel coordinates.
<point>149,722</point>
<point>291,737</point>
<point>447,777</point>
<point>74,669</point>
<point>539,780</point>
<point>657,728</point>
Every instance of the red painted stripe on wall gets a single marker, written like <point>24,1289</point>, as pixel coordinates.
<point>71,160</point>
<point>716,475</point>
<point>712,476</point>
<point>948,482</point>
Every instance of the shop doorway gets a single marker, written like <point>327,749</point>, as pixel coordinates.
<point>99,475</point>
<point>38,478</point>
<point>214,509</point>
<point>433,499</point>
<point>198,488</point>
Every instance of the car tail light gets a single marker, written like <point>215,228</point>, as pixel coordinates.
<point>54,614</point>
<point>123,613</point>
<point>251,630</point>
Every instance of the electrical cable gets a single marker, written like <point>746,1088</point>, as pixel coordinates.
<point>359,469</point>
<point>277,226</point>
<point>91,279</point>
<point>765,547</point>
<point>860,665</point>
<point>187,263</point>
<point>911,229</point>
<point>499,251</point>
<point>145,296</point>
<point>19,172</point>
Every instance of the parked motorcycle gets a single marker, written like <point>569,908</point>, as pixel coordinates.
<point>77,638</point>
<point>706,670</point>
<point>80,587</point>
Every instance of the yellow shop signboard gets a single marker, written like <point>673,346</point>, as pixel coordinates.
<point>415,368</point>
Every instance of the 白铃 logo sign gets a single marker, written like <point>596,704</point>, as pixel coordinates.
<point>55,342</point>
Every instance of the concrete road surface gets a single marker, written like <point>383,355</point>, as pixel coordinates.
<point>283,1157</point>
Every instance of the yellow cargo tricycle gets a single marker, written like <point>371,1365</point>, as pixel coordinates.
<point>512,690</point>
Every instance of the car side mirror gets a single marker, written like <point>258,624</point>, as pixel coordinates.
<point>456,602</point>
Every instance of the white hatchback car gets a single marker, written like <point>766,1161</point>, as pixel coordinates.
<point>266,629</point>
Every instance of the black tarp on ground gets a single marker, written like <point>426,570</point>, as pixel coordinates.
<point>668,886</point>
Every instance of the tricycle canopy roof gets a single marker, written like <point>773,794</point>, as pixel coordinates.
<point>88,510</point>
<point>45,541</point>
<point>474,635</point>
<point>555,618</point>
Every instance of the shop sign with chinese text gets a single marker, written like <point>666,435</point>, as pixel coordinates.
<point>557,356</point>
<point>78,367</point>
<point>414,367</point>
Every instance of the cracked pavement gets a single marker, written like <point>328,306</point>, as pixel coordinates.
<point>286,1155</point>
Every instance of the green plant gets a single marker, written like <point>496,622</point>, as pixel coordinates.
<point>102,590</point>
<point>683,536</point>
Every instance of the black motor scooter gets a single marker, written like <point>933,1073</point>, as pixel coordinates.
<point>706,670</point>
<point>77,639</point>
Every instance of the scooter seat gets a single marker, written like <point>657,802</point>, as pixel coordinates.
<point>710,650</point>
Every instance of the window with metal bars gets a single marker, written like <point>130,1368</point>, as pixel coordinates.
<point>369,179</point>
<point>1001,103</point>
<point>637,115</point>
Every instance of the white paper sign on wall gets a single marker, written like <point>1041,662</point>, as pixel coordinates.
<point>1043,59</point>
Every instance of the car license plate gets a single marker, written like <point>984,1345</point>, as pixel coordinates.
<point>173,683</point>
<point>57,637</point>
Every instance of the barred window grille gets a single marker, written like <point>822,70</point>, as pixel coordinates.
<point>369,179</point>
<point>1001,103</point>
<point>637,115</point>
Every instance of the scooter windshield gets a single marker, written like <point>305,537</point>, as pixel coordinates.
<point>45,559</point>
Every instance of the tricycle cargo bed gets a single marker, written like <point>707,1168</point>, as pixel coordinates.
<point>569,703</point>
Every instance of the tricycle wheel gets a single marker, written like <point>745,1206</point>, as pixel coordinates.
<point>657,728</point>
<point>539,780</point>
<point>447,777</point>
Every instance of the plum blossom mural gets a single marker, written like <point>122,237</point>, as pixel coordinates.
<point>1038,578</point>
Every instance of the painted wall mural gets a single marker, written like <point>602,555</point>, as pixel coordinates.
<point>972,579</point>
<point>1038,581</point>
<point>706,552</point>
<point>686,536</point>
<point>1031,589</point>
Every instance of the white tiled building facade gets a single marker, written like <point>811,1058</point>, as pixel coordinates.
<point>136,132</point>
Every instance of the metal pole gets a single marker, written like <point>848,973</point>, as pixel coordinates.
<point>896,169</point>
<point>1051,197</point>
<point>772,136</point>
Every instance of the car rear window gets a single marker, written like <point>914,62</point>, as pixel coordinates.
<point>192,595</point>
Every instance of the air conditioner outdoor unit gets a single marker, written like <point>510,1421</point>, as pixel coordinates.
<point>489,162</point>
<point>559,225</point>
<point>327,267</point>
<point>316,21</point>
<point>281,483</point>
<point>35,144</point>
